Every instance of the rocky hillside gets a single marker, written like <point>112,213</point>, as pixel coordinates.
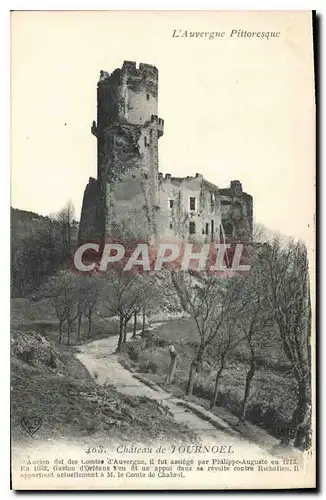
<point>52,385</point>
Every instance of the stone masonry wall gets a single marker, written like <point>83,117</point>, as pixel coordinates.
<point>127,132</point>
<point>175,221</point>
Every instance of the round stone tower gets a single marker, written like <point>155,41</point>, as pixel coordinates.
<point>127,132</point>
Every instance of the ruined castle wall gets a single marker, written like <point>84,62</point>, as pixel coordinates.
<point>237,213</point>
<point>139,89</point>
<point>211,212</point>
<point>132,181</point>
<point>204,218</point>
<point>90,227</point>
<point>127,132</point>
<point>138,110</point>
<point>130,196</point>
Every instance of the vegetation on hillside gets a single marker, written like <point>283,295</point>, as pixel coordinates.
<point>239,325</point>
<point>53,385</point>
<point>40,246</point>
<point>272,398</point>
<point>246,345</point>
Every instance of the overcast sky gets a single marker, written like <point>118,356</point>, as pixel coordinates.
<point>234,108</point>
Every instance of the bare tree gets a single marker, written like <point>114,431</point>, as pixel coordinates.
<point>65,218</point>
<point>89,288</point>
<point>225,342</point>
<point>254,321</point>
<point>211,301</point>
<point>287,278</point>
<point>72,297</point>
<point>71,292</point>
<point>62,292</point>
<point>124,293</point>
<point>135,325</point>
<point>143,320</point>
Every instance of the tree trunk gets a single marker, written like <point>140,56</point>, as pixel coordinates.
<point>300,426</point>
<point>144,321</point>
<point>135,326</point>
<point>120,341</point>
<point>69,238</point>
<point>192,378</point>
<point>194,369</point>
<point>249,377</point>
<point>89,324</point>
<point>69,323</point>
<point>79,327</point>
<point>60,331</point>
<point>218,374</point>
<point>125,324</point>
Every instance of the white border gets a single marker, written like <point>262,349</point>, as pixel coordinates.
<point>163,5</point>
<point>5,7</point>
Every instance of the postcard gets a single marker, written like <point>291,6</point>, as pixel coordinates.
<point>163,250</point>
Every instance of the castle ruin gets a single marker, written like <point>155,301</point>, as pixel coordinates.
<point>130,196</point>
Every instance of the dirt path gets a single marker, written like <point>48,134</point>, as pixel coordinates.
<point>103,365</point>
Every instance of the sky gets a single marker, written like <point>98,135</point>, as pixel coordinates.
<point>234,107</point>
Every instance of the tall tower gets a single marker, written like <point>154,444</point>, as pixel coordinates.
<point>127,132</point>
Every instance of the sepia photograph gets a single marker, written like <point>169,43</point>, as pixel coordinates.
<point>163,250</point>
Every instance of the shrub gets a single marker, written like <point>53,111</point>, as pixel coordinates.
<point>133,351</point>
<point>160,342</point>
<point>202,391</point>
<point>52,361</point>
<point>147,366</point>
<point>27,356</point>
<point>255,414</point>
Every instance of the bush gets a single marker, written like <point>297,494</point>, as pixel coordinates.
<point>160,342</point>
<point>27,356</point>
<point>255,414</point>
<point>147,366</point>
<point>202,391</point>
<point>133,350</point>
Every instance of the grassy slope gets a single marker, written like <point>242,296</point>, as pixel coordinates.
<point>39,316</point>
<point>53,385</point>
<point>272,399</point>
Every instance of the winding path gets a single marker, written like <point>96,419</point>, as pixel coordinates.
<point>103,365</point>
